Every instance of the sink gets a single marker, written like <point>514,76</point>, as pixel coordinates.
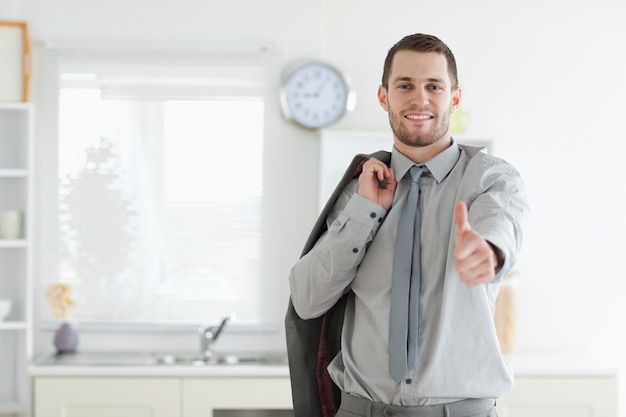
<point>164,359</point>
<point>245,358</point>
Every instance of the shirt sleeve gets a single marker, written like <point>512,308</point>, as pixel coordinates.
<point>325,273</point>
<point>500,212</point>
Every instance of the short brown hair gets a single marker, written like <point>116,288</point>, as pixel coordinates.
<point>420,42</point>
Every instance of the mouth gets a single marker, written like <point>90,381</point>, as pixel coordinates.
<point>419,117</point>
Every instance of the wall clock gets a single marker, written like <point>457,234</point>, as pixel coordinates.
<point>315,94</point>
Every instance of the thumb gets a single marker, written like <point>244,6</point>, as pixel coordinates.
<point>460,218</point>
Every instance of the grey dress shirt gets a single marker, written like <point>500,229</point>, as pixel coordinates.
<point>459,355</point>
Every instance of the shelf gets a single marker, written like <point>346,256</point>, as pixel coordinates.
<point>11,408</point>
<point>12,325</point>
<point>13,173</point>
<point>13,243</point>
<point>16,269</point>
<point>18,105</point>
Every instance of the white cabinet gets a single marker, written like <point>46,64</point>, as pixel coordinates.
<point>107,397</point>
<point>206,397</point>
<point>16,139</point>
<point>561,385</point>
<point>160,396</point>
<point>234,396</point>
<point>561,396</point>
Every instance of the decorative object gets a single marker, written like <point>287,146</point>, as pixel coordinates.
<point>10,224</point>
<point>62,303</point>
<point>506,314</point>
<point>65,338</point>
<point>315,94</point>
<point>15,56</point>
<point>5,308</point>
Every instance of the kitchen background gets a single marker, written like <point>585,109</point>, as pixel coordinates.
<point>543,80</point>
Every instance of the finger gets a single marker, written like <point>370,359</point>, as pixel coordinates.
<point>468,243</point>
<point>482,279</point>
<point>460,218</point>
<point>474,264</point>
<point>477,268</point>
<point>478,278</point>
<point>376,167</point>
<point>383,172</point>
<point>389,179</point>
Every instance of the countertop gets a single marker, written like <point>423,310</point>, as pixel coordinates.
<point>141,364</point>
<point>561,364</point>
<point>524,365</point>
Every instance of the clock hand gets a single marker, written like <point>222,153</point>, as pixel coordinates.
<point>317,93</point>
<point>321,87</point>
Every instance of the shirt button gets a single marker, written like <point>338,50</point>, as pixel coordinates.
<point>408,381</point>
<point>355,250</point>
<point>372,215</point>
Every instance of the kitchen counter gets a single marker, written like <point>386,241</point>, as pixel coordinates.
<point>561,385</point>
<point>139,364</point>
<point>548,384</point>
<point>142,364</point>
<point>561,364</point>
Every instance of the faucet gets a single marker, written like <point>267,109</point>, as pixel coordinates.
<point>208,337</point>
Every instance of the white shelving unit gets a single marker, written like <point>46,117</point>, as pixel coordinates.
<point>16,193</point>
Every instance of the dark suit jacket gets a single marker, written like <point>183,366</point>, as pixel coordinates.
<point>311,344</point>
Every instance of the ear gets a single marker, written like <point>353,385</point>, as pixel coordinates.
<point>382,97</point>
<point>456,99</point>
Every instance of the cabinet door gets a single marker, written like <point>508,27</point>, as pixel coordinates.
<point>561,397</point>
<point>107,397</point>
<point>205,397</point>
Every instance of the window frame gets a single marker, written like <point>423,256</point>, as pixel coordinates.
<point>274,312</point>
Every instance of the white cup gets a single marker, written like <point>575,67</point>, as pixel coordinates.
<point>10,224</point>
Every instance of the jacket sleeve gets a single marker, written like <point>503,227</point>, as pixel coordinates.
<point>303,336</point>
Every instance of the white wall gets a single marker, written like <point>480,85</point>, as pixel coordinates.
<point>544,79</point>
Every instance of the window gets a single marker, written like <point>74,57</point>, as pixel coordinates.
<point>160,186</point>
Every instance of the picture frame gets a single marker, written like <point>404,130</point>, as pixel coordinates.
<point>16,58</point>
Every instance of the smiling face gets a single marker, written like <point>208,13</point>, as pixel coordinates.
<point>420,99</point>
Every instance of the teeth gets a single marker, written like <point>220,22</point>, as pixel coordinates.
<point>414,117</point>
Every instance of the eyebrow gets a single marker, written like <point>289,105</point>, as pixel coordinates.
<point>411,79</point>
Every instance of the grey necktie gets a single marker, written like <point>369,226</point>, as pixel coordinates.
<point>405,285</point>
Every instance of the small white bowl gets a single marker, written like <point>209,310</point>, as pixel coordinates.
<point>5,308</point>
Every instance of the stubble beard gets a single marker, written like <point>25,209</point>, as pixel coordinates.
<point>402,133</point>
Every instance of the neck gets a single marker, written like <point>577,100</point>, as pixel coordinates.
<point>422,154</point>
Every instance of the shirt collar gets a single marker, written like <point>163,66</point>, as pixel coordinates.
<point>439,166</point>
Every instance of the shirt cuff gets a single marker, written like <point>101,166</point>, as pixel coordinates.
<point>365,211</point>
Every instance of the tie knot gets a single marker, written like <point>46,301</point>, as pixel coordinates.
<point>416,172</point>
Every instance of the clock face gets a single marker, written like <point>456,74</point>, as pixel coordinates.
<point>315,95</point>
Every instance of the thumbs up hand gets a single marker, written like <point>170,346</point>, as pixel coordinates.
<point>476,259</point>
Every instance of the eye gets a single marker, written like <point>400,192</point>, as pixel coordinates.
<point>404,87</point>
<point>435,87</point>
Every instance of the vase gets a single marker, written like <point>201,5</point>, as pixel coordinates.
<point>65,338</point>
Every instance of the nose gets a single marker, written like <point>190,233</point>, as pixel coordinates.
<point>419,98</point>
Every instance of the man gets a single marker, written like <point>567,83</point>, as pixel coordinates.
<point>471,210</point>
